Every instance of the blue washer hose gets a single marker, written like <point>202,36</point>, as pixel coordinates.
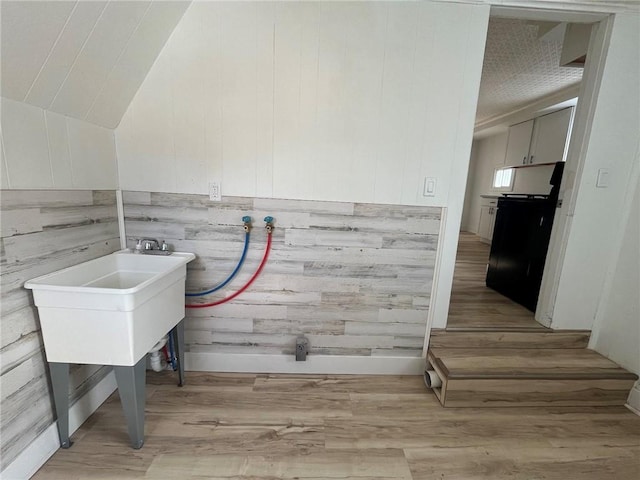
<point>233,274</point>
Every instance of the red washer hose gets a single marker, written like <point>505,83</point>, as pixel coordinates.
<point>251,280</point>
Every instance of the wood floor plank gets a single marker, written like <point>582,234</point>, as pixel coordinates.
<point>217,380</point>
<point>525,461</point>
<point>339,383</point>
<point>330,427</point>
<point>461,362</point>
<point>533,392</point>
<point>387,464</point>
<point>258,407</point>
<point>85,460</point>
<point>473,304</point>
<point>416,406</point>
<point>508,339</point>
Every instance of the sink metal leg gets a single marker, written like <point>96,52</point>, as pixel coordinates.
<point>131,386</point>
<point>60,384</point>
<point>179,342</point>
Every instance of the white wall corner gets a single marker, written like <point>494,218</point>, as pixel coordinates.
<point>121,224</point>
<point>36,455</point>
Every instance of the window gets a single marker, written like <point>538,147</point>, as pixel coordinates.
<point>503,179</point>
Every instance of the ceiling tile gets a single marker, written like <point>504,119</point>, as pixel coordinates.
<point>519,68</point>
<point>29,31</point>
<point>57,66</point>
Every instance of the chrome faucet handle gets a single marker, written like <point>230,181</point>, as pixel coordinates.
<point>150,244</point>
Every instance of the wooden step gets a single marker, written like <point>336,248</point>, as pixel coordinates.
<point>482,377</point>
<point>507,338</point>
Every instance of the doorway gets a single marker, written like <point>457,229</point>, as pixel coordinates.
<point>524,86</point>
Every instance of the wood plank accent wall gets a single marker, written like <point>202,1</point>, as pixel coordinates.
<point>355,278</point>
<point>42,231</point>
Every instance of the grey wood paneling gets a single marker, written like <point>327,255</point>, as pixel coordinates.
<point>42,231</point>
<point>354,278</point>
<point>16,199</point>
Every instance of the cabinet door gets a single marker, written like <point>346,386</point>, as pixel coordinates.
<point>509,261</point>
<point>518,143</point>
<point>549,141</point>
<point>518,253</point>
<point>487,221</point>
<point>485,224</point>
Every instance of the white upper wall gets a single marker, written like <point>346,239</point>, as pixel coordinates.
<point>488,154</point>
<point>46,150</point>
<point>311,100</point>
<point>466,221</point>
<point>83,59</point>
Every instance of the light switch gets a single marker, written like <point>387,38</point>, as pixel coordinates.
<point>603,178</point>
<point>429,187</point>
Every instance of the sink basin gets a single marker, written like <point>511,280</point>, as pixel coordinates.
<point>111,310</point>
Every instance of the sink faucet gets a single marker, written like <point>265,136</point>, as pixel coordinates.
<point>151,246</point>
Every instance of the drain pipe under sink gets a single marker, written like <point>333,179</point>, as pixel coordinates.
<point>155,357</point>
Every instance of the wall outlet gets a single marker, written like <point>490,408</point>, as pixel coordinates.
<point>215,193</point>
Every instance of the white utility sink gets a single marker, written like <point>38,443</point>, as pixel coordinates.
<point>111,310</point>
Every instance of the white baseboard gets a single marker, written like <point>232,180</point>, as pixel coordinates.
<point>316,364</point>
<point>36,454</point>
<point>633,401</point>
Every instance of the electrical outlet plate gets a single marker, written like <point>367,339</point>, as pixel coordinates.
<point>215,193</point>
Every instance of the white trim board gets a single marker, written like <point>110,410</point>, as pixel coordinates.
<point>315,364</point>
<point>577,11</point>
<point>47,443</point>
<point>121,225</point>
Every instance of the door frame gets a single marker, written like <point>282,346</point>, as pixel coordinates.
<point>602,16</point>
<point>578,144</point>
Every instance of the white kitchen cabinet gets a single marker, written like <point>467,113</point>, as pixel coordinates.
<point>518,143</point>
<point>542,140</point>
<point>487,222</point>
<point>550,137</point>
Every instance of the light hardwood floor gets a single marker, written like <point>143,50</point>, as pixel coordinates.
<point>473,304</point>
<point>238,426</point>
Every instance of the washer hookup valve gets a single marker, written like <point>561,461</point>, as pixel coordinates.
<point>269,225</point>
<point>247,223</point>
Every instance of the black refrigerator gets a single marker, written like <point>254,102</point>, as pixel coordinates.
<point>520,243</point>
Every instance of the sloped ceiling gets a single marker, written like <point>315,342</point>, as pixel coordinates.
<point>519,68</point>
<point>84,59</point>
